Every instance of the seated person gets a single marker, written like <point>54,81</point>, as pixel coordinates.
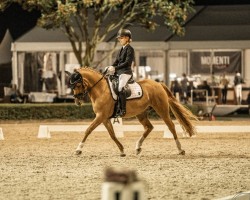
<point>15,95</point>
<point>205,86</point>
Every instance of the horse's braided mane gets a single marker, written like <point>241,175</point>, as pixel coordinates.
<point>91,69</point>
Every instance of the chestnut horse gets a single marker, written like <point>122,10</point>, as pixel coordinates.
<point>155,95</point>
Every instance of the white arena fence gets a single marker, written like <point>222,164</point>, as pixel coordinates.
<point>1,134</point>
<point>45,130</point>
<point>119,128</point>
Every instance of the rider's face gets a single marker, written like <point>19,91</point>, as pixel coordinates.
<point>123,40</point>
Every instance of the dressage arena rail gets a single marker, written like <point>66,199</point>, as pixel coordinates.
<point>1,134</point>
<point>45,130</point>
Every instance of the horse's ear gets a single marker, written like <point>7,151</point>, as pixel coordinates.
<point>68,73</point>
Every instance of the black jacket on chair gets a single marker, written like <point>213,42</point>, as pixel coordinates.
<point>124,60</point>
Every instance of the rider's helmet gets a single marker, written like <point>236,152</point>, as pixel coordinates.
<point>124,32</point>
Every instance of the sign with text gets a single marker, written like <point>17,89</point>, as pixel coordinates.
<point>228,62</point>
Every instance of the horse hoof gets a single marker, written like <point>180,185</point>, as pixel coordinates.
<point>138,151</point>
<point>122,154</point>
<point>182,152</point>
<point>78,152</point>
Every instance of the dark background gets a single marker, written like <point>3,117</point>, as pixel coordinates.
<point>19,21</point>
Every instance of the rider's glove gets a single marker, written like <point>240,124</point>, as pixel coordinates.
<point>111,70</point>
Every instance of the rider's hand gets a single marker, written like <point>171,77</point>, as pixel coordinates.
<point>111,70</point>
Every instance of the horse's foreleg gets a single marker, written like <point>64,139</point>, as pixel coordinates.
<point>97,121</point>
<point>148,127</point>
<point>110,129</point>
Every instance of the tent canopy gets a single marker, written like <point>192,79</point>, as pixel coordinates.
<point>5,54</point>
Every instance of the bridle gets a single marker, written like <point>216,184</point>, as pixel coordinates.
<point>81,95</point>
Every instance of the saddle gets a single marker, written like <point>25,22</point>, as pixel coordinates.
<point>132,89</point>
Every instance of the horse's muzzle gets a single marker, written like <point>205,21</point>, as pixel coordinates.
<point>79,96</point>
<point>79,102</point>
<point>79,99</point>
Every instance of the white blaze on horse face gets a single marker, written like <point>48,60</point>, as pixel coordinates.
<point>78,89</point>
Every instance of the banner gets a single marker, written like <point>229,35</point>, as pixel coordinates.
<point>203,62</point>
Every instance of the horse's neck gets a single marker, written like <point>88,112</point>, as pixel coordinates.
<point>90,77</point>
<point>95,82</point>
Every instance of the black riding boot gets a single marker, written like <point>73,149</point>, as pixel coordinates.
<point>122,102</point>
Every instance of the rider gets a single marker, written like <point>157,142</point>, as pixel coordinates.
<point>122,67</point>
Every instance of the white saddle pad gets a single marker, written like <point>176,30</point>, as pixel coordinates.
<point>136,90</point>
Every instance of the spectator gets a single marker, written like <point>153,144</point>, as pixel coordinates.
<point>248,99</point>
<point>224,87</point>
<point>40,80</point>
<point>176,89</point>
<point>184,87</point>
<point>15,95</point>
<point>190,88</point>
<point>205,86</point>
<point>238,80</point>
<point>214,81</point>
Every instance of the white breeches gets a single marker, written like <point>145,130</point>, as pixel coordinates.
<point>238,91</point>
<point>123,79</point>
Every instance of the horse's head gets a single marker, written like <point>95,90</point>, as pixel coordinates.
<point>77,85</point>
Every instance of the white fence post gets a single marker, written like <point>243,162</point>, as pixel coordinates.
<point>117,124</point>
<point>44,132</point>
<point>1,134</point>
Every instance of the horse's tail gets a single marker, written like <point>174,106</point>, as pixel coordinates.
<point>182,114</point>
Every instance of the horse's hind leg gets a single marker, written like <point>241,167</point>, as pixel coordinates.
<point>164,114</point>
<point>171,127</point>
<point>143,119</point>
<point>110,129</point>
